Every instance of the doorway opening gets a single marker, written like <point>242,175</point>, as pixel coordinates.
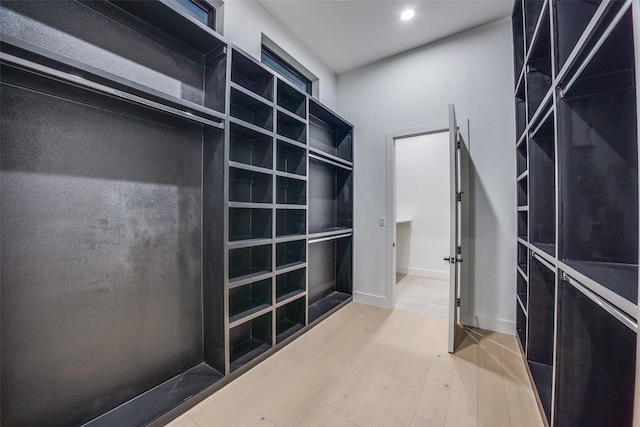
<point>423,216</point>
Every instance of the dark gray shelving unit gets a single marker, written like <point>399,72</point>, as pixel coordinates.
<point>577,207</point>
<point>273,191</point>
<point>154,228</point>
<point>114,210</point>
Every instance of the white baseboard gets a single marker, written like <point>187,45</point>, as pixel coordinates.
<point>423,272</point>
<point>374,300</point>
<point>497,325</point>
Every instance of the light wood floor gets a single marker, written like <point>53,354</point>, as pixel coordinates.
<point>367,366</point>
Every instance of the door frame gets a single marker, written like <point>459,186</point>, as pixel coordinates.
<point>391,137</point>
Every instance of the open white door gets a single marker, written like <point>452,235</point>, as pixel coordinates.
<point>459,202</point>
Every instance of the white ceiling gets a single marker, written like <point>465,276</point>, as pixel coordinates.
<point>348,34</point>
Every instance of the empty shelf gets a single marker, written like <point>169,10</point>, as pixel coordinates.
<point>251,75</point>
<point>543,377</point>
<point>249,340</point>
<point>290,284</point>
<point>621,279</point>
<point>248,299</point>
<point>292,99</point>
<point>326,304</point>
<point>290,318</point>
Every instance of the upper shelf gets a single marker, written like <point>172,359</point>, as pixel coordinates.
<point>163,20</point>
<point>329,133</point>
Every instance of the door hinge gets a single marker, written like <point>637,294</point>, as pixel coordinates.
<point>459,249</point>
<point>459,196</point>
<point>457,302</point>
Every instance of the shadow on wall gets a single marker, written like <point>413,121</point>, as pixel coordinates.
<point>403,247</point>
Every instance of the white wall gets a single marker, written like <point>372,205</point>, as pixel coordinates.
<point>422,195</point>
<point>474,71</point>
<point>244,23</point>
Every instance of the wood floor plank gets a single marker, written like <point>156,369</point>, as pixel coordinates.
<point>367,366</point>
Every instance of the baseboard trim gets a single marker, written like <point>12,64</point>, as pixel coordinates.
<point>423,272</point>
<point>374,300</point>
<point>497,325</point>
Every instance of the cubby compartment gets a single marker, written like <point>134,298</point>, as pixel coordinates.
<point>521,326</point>
<point>542,186</point>
<point>521,110</point>
<point>330,197</point>
<point>328,133</point>
<point>522,156</point>
<point>251,110</point>
<point>249,340</point>
<point>540,338</point>
<point>330,275</point>
<point>291,222</point>
<point>247,223</point>
<point>290,284</point>
<point>523,191</point>
<point>523,258</point>
<point>532,11</point>
<point>252,76</point>
<point>292,128</point>
<point>291,191</point>
<point>248,299</point>
<point>248,262</point>
<point>291,158</point>
<point>522,289</point>
<point>250,147</point>
<point>571,18</point>
<point>292,99</point>
<point>291,253</point>
<point>523,224</point>
<point>598,159</point>
<point>596,361</point>
<point>517,21</point>
<point>539,67</point>
<point>290,318</point>
<point>249,186</point>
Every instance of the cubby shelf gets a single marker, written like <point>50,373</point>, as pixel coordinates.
<point>290,318</point>
<point>248,299</point>
<point>249,74</point>
<point>290,254</point>
<point>292,99</point>
<point>329,133</point>
<point>577,206</point>
<point>249,340</point>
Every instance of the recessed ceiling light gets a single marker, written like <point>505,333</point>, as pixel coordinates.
<point>407,14</point>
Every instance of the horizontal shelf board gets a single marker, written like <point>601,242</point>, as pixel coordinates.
<point>291,175</point>
<point>251,126</point>
<point>251,205</point>
<point>283,110</point>
<point>284,239</point>
<point>285,268</point>
<point>522,273</point>
<point>326,304</point>
<point>252,94</point>
<point>46,58</point>
<point>522,137</point>
<point>290,329</point>
<point>524,208</point>
<point>321,156</point>
<point>98,86</point>
<point>250,310</point>
<point>543,379</point>
<point>254,276</point>
<point>335,232</point>
<point>617,278</point>
<point>537,30</point>
<point>166,23</point>
<point>237,244</point>
<point>247,167</point>
<point>523,175</point>
<point>523,241</point>
<point>288,297</point>
<point>154,403</point>
<point>545,248</point>
<point>252,349</point>
<point>541,109</point>
<point>326,115</point>
<point>521,298</point>
<point>291,206</point>
<point>291,141</point>
<point>519,82</point>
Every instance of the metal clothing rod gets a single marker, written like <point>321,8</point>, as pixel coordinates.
<point>331,162</point>
<point>543,261</point>
<point>334,237</point>
<point>597,46</point>
<point>97,87</point>
<point>622,317</point>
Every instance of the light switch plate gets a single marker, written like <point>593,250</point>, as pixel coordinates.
<point>381,221</point>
